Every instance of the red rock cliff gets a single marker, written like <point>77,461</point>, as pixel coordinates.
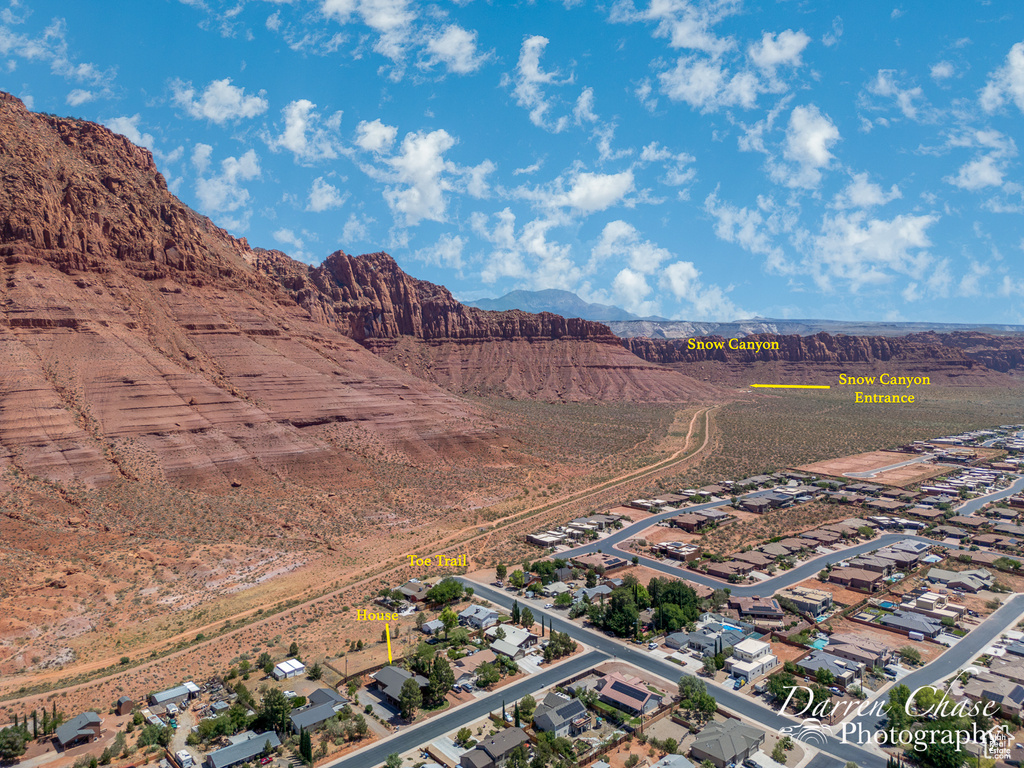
<point>819,348</point>
<point>370,299</point>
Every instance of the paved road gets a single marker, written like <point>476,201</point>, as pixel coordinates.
<point>422,735</point>
<point>637,656</point>
<point>785,579</point>
<point>957,657</point>
<point>972,506</point>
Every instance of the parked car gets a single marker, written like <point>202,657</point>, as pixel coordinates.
<point>456,688</point>
<point>835,690</point>
<point>651,646</point>
<point>549,605</point>
<point>290,694</point>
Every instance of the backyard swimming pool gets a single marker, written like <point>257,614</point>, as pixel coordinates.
<point>888,605</point>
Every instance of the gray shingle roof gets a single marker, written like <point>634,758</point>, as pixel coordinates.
<point>243,750</point>
<point>77,726</point>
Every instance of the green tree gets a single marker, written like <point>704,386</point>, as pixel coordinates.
<point>463,736</point>
<point>315,672</point>
<point>447,590</point>
<point>393,761</point>
<point>410,699</point>
<point>306,747</point>
<point>274,710</point>
<point>694,697</point>
<point>487,674</point>
<point>911,654</point>
<point>501,571</point>
<point>527,706</point>
<point>779,754</point>
<point>450,619</point>
<point>563,600</point>
<point>515,613</point>
<point>526,618</point>
<point>441,679</point>
<point>710,667</point>
<point>517,579</point>
<point>12,743</point>
<point>824,676</point>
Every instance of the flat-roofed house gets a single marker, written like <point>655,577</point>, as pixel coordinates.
<point>750,659</point>
<point>856,578</point>
<point>813,602</point>
<point>757,608</point>
<point>627,693</point>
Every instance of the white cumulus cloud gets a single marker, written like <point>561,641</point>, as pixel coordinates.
<point>863,193</point>
<point>773,51</point>
<point>456,48</point>
<point>306,134</point>
<point>225,193</point>
<point>375,136</point>
<point>810,136</point>
<point>529,79</point>
<point>129,128</point>
<point>324,196</point>
<point>219,102</point>
<point>1005,83</point>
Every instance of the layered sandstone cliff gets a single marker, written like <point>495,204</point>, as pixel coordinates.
<point>370,299</point>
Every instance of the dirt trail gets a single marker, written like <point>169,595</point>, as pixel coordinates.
<point>683,454</point>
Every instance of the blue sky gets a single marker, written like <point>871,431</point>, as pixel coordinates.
<point>696,160</point>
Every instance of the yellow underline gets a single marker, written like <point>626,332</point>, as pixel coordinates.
<point>791,386</point>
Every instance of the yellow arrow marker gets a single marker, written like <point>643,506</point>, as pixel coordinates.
<point>387,634</point>
<point>791,386</point>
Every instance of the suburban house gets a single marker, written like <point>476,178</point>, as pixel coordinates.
<point>515,643</point>
<point>288,668</point>
<point>727,743</point>
<point>176,695</point>
<point>555,589</point>
<point>690,522</point>
<point>903,621</point>
<point>561,715</point>
<point>757,608</point>
<point>758,505</point>
<point>478,617</point>
<point>856,578</point>
<point>1011,668</point>
<point>414,591</point>
<point>600,560</point>
<point>871,563</point>
<point>870,653</point>
<point>845,671</point>
<point>678,550</point>
<point>932,604</point>
<point>1006,693</point>
<point>967,581</point>
<point>83,729</point>
<point>432,627</point>
<point>713,639</point>
<point>493,751</point>
<point>750,659</point>
<point>725,570</point>
<point>324,703</point>
<point>389,681</point>
<point>756,559</point>
<point>627,693</point>
<point>814,602</point>
<point>246,746</point>
<point>465,669</point>
<point>593,594</point>
<point>669,761</point>
<point>900,560</point>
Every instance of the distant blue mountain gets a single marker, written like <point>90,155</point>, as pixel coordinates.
<point>562,303</point>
